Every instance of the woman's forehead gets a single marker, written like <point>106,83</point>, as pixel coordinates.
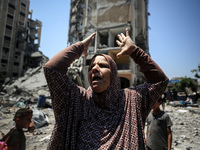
<point>98,59</point>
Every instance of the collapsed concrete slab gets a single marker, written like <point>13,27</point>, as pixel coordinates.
<point>31,82</point>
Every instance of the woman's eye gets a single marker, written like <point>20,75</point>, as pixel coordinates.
<point>100,65</point>
<point>103,66</point>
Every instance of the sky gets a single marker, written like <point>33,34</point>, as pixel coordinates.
<point>174,33</point>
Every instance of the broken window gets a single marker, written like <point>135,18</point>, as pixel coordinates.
<point>4,61</point>
<point>16,64</point>
<point>23,4</point>
<point>5,49</point>
<point>103,39</point>
<point>15,74</point>
<point>17,45</point>
<point>22,14</point>
<point>8,27</point>
<point>7,38</point>
<point>9,16</point>
<point>113,36</point>
<point>88,62</point>
<point>116,38</point>
<point>17,53</point>
<point>11,5</point>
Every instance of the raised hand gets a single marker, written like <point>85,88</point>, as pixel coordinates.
<point>87,42</point>
<point>126,44</point>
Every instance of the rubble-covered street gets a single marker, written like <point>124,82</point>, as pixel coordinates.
<point>25,91</point>
<point>186,128</point>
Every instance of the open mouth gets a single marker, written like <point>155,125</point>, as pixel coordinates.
<point>96,78</point>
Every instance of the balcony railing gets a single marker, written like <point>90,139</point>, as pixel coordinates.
<point>17,59</point>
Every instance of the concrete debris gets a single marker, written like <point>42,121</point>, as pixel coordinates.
<point>47,137</point>
<point>33,80</point>
<point>25,90</point>
<point>186,127</point>
<point>182,104</point>
<point>182,111</point>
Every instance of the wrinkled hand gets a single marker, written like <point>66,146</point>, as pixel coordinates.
<point>126,44</point>
<point>87,42</point>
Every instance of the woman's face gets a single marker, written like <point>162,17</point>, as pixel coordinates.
<point>99,74</point>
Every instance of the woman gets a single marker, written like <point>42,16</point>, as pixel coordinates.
<point>103,116</point>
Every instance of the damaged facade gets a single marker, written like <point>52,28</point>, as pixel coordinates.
<point>19,39</point>
<point>108,18</point>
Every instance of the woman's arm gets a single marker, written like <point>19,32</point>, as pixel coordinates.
<point>61,61</point>
<point>151,91</point>
<point>64,93</point>
<point>151,70</point>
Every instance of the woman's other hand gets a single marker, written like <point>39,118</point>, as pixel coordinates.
<point>87,42</point>
<point>126,44</point>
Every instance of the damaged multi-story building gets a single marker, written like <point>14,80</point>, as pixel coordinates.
<point>19,39</point>
<point>108,18</point>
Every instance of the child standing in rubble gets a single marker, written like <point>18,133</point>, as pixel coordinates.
<point>16,138</point>
<point>158,134</point>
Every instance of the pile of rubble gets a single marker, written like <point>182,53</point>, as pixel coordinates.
<point>186,127</point>
<point>28,85</point>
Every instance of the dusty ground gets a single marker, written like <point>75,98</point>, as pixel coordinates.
<point>186,128</point>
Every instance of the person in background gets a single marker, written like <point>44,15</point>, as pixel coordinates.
<point>16,138</point>
<point>163,97</point>
<point>169,95</point>
<point>158,133</point>
<point>102,116</point>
